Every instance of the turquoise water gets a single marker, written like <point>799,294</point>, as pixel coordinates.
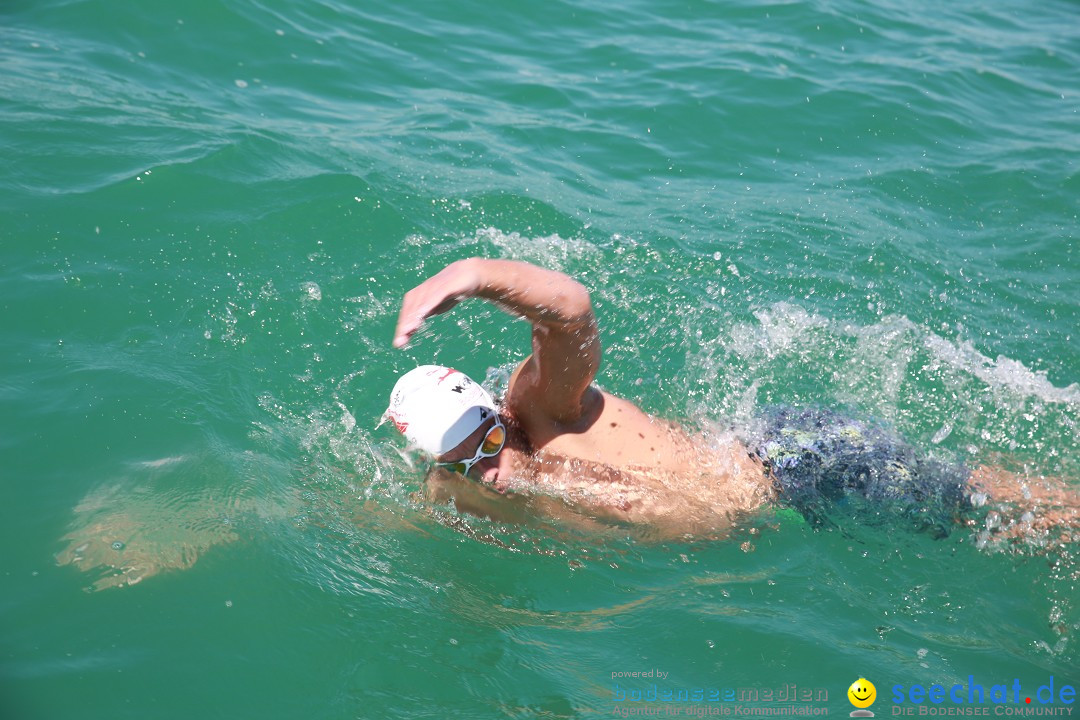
<point>209,213</point>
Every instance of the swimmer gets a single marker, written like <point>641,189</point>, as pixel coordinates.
<point>557,444</point>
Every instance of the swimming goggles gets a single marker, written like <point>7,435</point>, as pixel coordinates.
<point>490,447</point>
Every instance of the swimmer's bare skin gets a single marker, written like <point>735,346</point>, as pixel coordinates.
<point>569,438</point>
<point>1025,506</point>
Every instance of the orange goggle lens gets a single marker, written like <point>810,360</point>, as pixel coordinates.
<point>493,441</point>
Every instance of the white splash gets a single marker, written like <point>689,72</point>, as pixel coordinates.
<point>1004,373</point>
<point>312,291</point>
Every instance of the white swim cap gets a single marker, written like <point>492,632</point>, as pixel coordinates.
<point>438,407</point>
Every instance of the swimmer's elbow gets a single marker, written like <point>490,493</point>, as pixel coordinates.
<point>575,307</point>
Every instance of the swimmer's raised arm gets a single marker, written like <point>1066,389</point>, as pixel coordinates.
<point>565,341</point>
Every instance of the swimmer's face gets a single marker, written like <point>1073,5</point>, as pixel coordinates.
<point>862,693</point>
<point>481,454</point>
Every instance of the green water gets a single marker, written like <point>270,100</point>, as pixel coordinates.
<point>210,211</point>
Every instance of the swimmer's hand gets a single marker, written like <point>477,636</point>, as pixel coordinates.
<point>456,282</point>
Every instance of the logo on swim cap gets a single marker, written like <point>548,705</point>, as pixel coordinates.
<point>437,407</point>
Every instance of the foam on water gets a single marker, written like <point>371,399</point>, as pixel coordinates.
<point>933,388</point>
<point>1002,374</point>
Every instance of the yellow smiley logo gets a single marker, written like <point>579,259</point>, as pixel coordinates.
<point>862,693</point>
